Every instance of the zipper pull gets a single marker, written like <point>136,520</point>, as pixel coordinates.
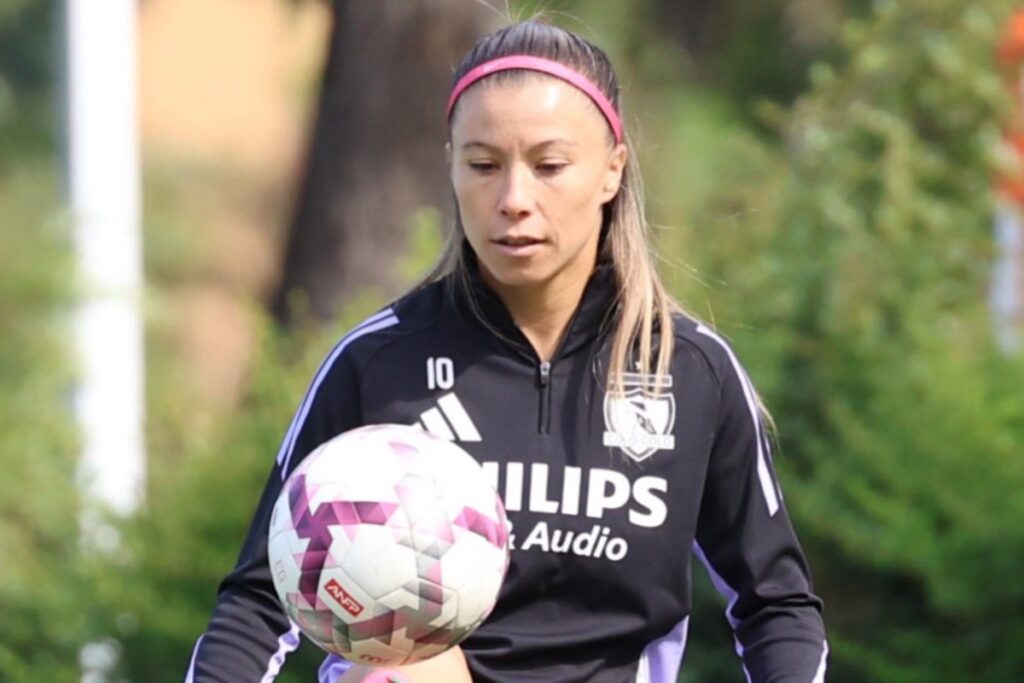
<point>545,373</point>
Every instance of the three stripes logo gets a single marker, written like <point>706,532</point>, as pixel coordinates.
<point>449,420</point>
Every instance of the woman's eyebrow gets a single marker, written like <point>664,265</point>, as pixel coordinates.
<point>478,143</point>
<point>555,141</point>
<point>539,145</point>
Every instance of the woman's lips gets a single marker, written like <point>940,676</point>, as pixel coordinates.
<point>518,246</point>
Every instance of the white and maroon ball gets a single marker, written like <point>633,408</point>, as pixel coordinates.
<point>388,545</point>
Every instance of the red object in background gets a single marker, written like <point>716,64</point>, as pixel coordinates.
<point>1010,53</point>
<point>1011,184</point>
<point>1011,45</point>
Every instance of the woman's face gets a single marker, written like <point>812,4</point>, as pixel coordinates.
<point>532,165</point>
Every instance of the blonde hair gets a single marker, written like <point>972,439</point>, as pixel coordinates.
<point>644,306</point>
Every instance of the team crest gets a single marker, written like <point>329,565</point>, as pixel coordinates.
<point>640,424</point>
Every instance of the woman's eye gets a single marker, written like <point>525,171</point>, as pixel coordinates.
<point>551,167</point>
<point>483,166</point>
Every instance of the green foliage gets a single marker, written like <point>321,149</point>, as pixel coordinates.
<point>206,465</point>
<point>44,578</point>
<point>26,50</point>
<point>42,581</point>
<point>848,260</point>
<point>859,271</point>
<point>27,79</point>
<point>715,191</point>
<point>190,534</point>
<point>914,422</point>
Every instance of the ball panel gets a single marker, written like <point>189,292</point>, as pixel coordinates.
<point>377,564</point>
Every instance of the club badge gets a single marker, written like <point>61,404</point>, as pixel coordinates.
<point>639,423</point>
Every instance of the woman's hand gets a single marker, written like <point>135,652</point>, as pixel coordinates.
<point>447,667</point>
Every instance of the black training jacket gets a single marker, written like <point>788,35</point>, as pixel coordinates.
<point>609,498</point>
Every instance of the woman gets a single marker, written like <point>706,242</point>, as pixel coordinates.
<point>625,434</point>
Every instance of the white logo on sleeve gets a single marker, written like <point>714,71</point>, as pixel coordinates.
<point>449,420</point>
<point>638,423</point>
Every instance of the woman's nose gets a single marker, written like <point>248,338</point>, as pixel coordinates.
<point>516,196</point>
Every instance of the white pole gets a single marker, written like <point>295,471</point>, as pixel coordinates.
<point>1006,293</point>
<point>103,174</point>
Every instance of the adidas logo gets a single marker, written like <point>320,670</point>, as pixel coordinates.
<point>449,420</point>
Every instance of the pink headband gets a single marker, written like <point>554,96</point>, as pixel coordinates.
<point>547,66</point>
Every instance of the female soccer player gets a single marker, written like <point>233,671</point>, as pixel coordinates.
<point>625,436</point>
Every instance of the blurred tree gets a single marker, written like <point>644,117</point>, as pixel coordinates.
<point>376,155</point>
<point>27,56</point>
<point>44,594</point>
<point>370,164</point>
<point>846,258</point>
<point>26,51</point>
<point>187,539</point>
<point>859,274</point>
<point>754,50</point>
<point>695,24</point>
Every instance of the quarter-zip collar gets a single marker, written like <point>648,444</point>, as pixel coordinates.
<point>593,317</point>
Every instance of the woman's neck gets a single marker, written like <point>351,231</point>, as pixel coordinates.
<point>542,311</point>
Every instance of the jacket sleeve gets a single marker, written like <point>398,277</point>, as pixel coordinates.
<point>249,634</point>
<point>746,542</point>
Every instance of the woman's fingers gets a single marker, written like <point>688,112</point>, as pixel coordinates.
<point>447,667</point>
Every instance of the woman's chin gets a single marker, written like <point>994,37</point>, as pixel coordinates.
<point>511,277</point>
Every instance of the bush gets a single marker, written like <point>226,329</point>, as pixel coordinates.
<point>43,594</point>
<point>860,275</point>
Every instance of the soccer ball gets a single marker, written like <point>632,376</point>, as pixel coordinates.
<point>388,545</point>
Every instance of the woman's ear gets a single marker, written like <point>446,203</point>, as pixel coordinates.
<point>613,175</point>
<point>448,153</point>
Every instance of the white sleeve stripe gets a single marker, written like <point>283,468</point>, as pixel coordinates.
<point>763,473</point>
<point>190,676</point>
<point>819,676</point>
<point>358,331</point>
<point>285,644</point>
<point>662,659</point>
<point>332,669</point>
<point>374,324</point>
<point>722,587</point>
<point>327,362</point>
<point>732,596</point>
<point>288,642</point>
